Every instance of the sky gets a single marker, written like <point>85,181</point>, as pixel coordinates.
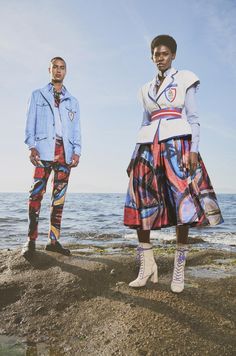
<point>106,44</point>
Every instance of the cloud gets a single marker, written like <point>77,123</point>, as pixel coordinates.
<point>135,19</point>
<point>220,21</point>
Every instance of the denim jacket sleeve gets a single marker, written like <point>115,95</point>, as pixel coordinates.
<point>31,122</point>
<point>77,132</point>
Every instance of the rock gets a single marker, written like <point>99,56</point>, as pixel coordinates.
<point>60,306</point>
<point>192,241</point>
<point>39,310</point>
<point>227,323</point>
<point>68,348</point>
<point>2,268</point>
<point>18,319</point>
<point>104,317</point>
<point>113,272</point>
<point>118,284</point>
<point>38,286</point>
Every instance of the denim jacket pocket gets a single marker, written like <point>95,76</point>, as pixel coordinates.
<point>42,114</point>
<point>41,107</point>
<point>40,137</point>
<point>42,103</point>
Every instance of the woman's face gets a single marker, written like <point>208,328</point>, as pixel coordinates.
<point>163,57</point>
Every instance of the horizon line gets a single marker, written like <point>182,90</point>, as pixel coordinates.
<point>25,192</point>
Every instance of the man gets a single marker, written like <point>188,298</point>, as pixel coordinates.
<point>53,137</point>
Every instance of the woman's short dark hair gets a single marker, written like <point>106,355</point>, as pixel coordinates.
<point>164,40</point>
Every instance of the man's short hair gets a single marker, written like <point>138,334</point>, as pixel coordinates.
<point>164,40</point>
<point>59,58</point>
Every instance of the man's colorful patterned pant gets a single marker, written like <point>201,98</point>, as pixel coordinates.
<point>59,186</point>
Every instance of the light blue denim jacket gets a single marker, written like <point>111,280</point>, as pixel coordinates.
<point>40,125</point>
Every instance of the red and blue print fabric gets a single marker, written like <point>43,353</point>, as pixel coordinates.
<point>59,186</point>
<point>162,192</point>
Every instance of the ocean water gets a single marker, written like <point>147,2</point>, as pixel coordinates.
<point>97,219</point>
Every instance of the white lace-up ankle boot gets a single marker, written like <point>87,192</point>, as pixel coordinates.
<point>148,266</point>
<point>177,284</point>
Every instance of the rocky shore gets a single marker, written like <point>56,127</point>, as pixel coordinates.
<point>82,305</point>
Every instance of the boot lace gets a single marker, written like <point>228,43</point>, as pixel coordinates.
<point>179,267</point>
<point>140,259</point>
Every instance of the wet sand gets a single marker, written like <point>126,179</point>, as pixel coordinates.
<point>82,305</point>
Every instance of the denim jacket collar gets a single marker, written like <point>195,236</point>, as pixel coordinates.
<point>47,93</point>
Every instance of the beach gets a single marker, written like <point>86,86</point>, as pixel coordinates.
<point>82,305</point>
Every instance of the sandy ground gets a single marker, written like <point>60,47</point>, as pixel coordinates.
<point>82,305</point>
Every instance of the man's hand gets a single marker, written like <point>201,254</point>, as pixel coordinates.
<point>130,166</point>
<point>192,162</point>
<point>75,160</point>
<point>34,157</point>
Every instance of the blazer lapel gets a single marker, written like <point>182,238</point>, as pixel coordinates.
<point>151,88</point>
<point>169,79</point>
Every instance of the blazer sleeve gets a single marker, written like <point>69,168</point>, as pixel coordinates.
<point>193,117</point>
<point>145,121</point>
<point>190,79</point>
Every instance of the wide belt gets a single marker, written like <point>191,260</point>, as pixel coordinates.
<point>174,113</point>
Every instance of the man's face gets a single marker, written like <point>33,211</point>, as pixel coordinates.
<point>163,57</point>
<point>57,71</point>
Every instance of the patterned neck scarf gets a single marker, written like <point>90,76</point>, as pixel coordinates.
<point>57,98</point>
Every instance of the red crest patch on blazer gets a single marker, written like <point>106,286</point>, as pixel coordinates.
<point>170,94</point>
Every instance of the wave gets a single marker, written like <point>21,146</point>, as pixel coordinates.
<point>224,241</point>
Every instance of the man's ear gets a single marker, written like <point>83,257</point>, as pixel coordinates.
<point>173,56</point>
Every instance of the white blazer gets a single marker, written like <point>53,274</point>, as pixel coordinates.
<point>171,95</point>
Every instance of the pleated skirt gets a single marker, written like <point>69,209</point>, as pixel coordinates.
<point>162,192</point>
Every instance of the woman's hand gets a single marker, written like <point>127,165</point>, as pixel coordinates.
<point>192,162</point>
<point>130,166</point>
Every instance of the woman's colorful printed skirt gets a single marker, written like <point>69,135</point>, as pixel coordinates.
<point>162,192</point>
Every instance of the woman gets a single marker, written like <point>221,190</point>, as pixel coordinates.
<point>169,184</point>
